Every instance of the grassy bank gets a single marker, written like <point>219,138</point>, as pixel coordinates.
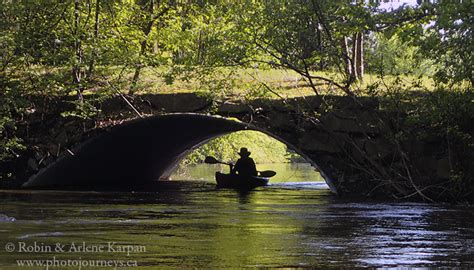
<point>227,83</point>
<point>248,83</point>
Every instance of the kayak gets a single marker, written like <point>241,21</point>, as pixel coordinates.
<point>241,182</point>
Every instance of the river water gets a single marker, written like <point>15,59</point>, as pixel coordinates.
<point>187,224</point>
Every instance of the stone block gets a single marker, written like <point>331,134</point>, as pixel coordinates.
<point>32,164</point>
<point>307,103</point>
<point>378,148</point>
<point>443,168</point>
<point>281,106</point>
<point>113,105</point>
<point>62,138</point>
<point>318,142</point>
<point>282,121</point>
<point>233,108</point>
<point>183,102</point>
<point>346,102</point>
<point>354,122</point>
<point>426,165</point>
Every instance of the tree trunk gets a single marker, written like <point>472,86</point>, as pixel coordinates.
<point>354,57</point>
<point>360,56</point>
<point>76,67</point>
<point>200,48</point>
<point>143,46</point>
<point>320,47</point>
<point>96,37</point>
<point>347,60</point>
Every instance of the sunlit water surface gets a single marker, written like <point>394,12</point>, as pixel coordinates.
<point>193,224</point>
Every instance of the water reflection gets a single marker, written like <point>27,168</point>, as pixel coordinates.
<point>192,224</point>
<point>286,172</point>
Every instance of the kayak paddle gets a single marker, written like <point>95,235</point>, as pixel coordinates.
<point>267,173</point>
<point>213,160</point>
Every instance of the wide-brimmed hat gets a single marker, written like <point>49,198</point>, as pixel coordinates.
<point>244,152</point>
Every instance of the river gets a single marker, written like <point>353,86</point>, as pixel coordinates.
<point>189,224</point>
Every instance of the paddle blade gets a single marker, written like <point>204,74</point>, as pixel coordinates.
<point>267,173</point>
<point>211,160</point>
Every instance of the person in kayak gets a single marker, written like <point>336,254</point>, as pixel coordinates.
<point>245,164</point>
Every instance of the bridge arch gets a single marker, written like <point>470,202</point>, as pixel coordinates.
<point>141,151</point>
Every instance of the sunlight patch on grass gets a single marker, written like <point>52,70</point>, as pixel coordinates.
<point>237,83</point>
<point>251,83</point>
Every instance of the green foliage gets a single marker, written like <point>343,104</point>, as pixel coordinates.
<point>291,33</point>
<point>450,41</point>
<point>445,107</point>
<point>10,144</point>
<point>194,40</point>
<point>264,148</point>
<point>441,121</point>
<point>450,113</point>
<point>443,32</point>
<point>104,47</point>
<point>83,110</point>
<point>392,56</point>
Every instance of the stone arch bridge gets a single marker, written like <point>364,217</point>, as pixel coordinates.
<point>331,132</point>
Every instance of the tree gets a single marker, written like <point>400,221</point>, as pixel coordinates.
<point>151,12</point>
<point>450,40</point>
<point>309,36</point>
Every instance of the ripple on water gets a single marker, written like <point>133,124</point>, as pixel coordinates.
<point>283,225</point>
<point>299,185</point>
<point>45,234</point>
<point>5,218</point>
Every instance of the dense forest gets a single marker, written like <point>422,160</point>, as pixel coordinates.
<point>416,56</point>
